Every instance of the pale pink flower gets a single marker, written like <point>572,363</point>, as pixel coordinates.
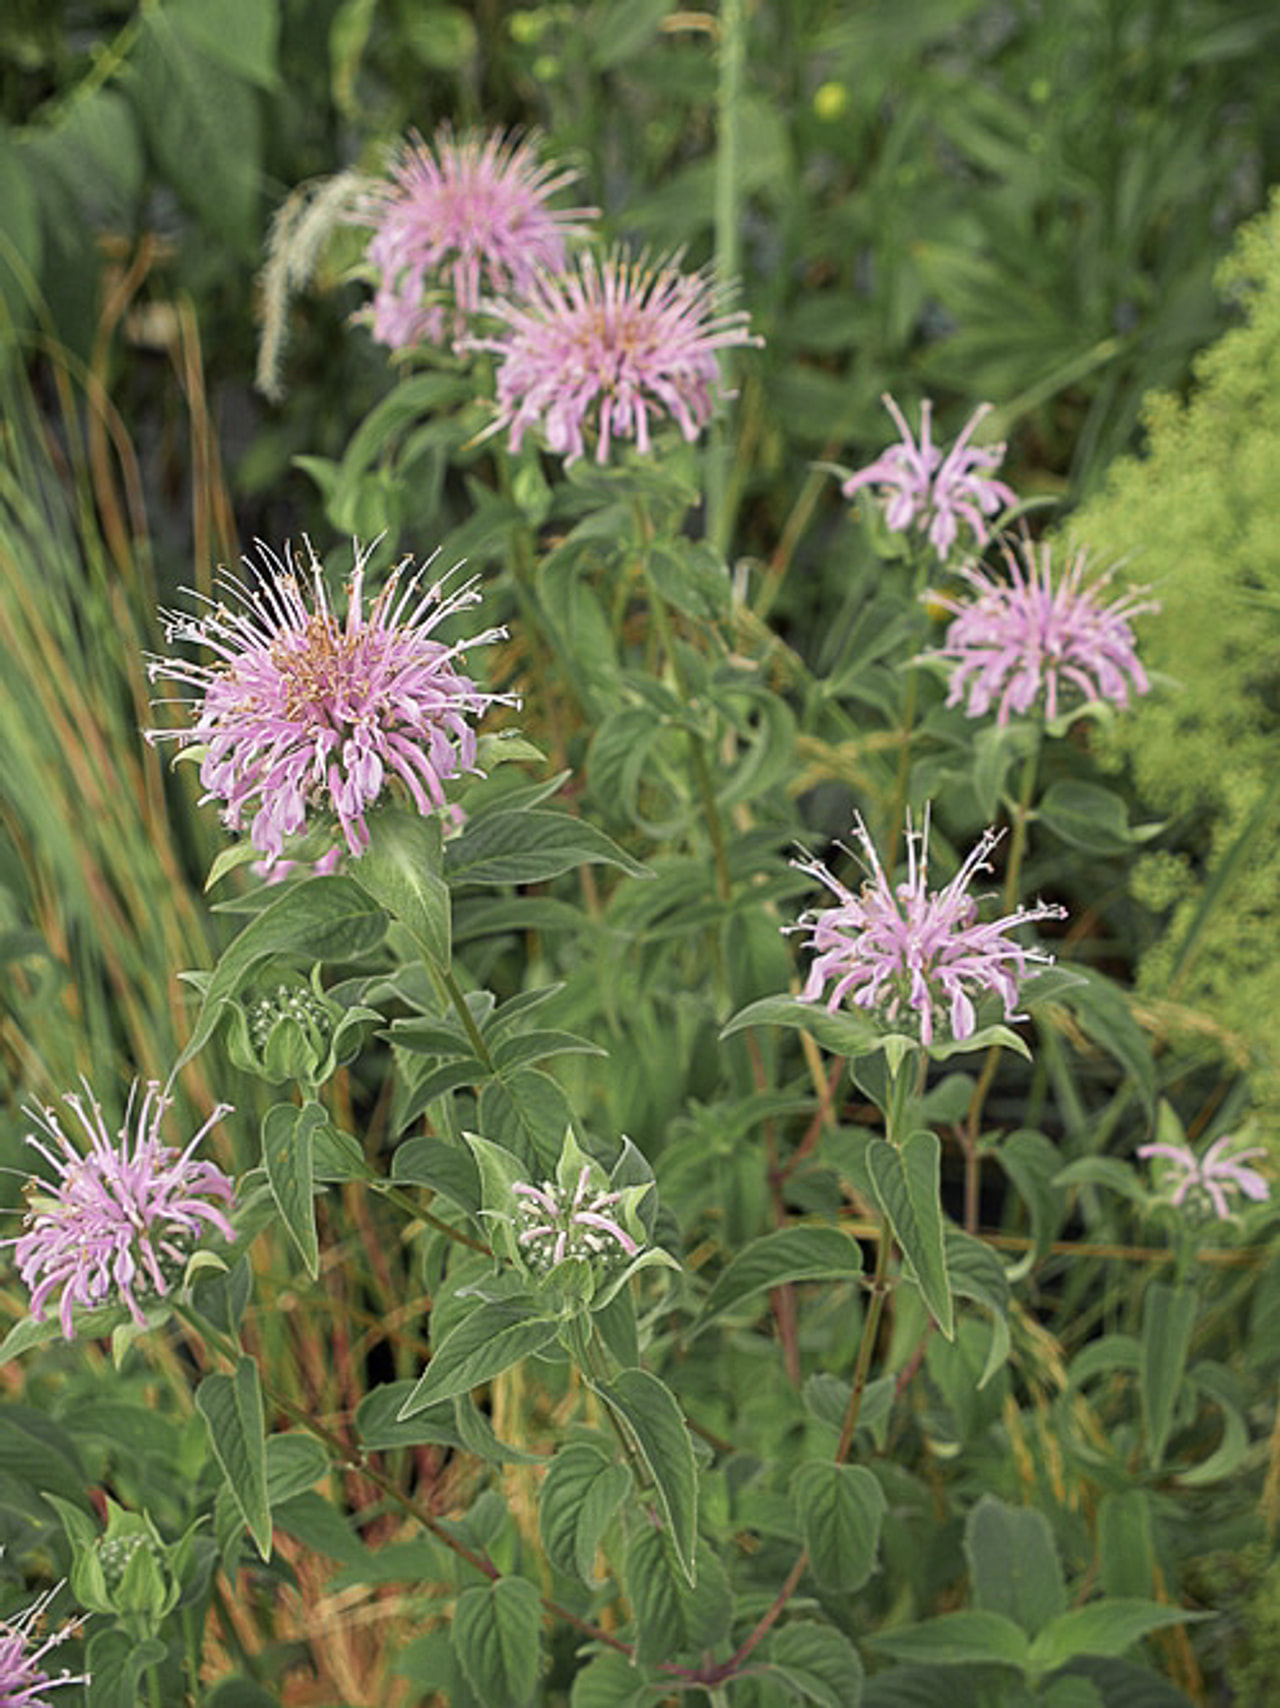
<point>123,1217</point>
<point>1216,1176</point>
<point>605,347</point>
<point>461,216</point>
<point>930,492</point>
<point>890,947</point>
<point>304,710</point>
<point>554,1224</point>
<point>1023,641</point>
<point>23,1676</point>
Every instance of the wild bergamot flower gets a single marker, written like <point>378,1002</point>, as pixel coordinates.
<point>606,346</point>
<point>934,493</point>
<point>1210,1180</point>
<point>890,948</point>
<point>461,216</point>
<point>304,710</point>
<point>121,1220</point>
<point>553,1224</point>
<point>23,1676</point>
<point>1026,640</point>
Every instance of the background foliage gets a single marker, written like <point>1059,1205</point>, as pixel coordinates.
<point>1014,203</point>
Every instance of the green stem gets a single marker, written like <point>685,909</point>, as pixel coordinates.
<point>450,988</point>
<point>1012,879</point>
<point>697,747</point>
<point>355,1460</point>
<point>731,66</point>
<point>867,1343</point>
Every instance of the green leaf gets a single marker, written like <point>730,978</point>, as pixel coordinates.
<point>527,1112</point>
<point>819,1663</point>
<point>496,1629</point>
<point>907,1186</point>
<point>232,1408</point>
<point>203,125</point>
<point>1091,818</point>
<point>688,573</point>
<point>315,1522</point>
<point>674,1616</point>
<point>39,1453</point>
<point>117,1663</point>
<point>841,1508</point>
<point>486,1342</point>
<point>1225,1460</point>
<point>959,1639</point>
<point>790,1254</point>
<point>610,1680</point>
<point>844,1034</point>
<point>583,1488</point>
<point>1168,1317</point>
<point>402,870</point>
<point>92,1325</point>
<point>1104,1016</point>
<point>1013,1564</point>
<point>320,919</point>
<point>242,35</point>
<point>658,1431</point>
<point>294,1462</point>
<point>528,847</point>
<point>1103,1628</point>
<point>976,1273</point>
<point>380,1430</point>
<point>1125,1549</point>
<point>446,1168</point>
<point>288,1146</point>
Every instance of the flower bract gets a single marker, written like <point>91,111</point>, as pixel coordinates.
<point>904,949</point>
<point>605,348</point>
<point>933,493</point>
<point>1212,1179</point>
<point>1039,637</point>
<point>303,710</point>
<point>123,1216</point>
<point>24,1678</point>
<point>460,216</point>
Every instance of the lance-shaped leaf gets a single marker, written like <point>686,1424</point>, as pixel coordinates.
<point>907,1185</point>
<point>402,870</point>
<point>232,1408</point>
<point>1168,1317</point>
<point>789,1254</point>
<point>844,1034</point>
<point>288,1156</point>
<point>1103,1628</point>
<point>502,847</point>
<point>489,1340</point>
<point>323,919</point>
<point>658,1431</point>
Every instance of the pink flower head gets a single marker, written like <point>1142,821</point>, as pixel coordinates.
<point>555,1224</point>
<point>933,493</point>
<point>123,1216</point>
<point>607,345</point>
<point>23,1678</point>
<point>1214,1177</point>
<point>302,709</point>
<point>890,947</point>
<point>461,215</point>
<point>1022,641</point>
